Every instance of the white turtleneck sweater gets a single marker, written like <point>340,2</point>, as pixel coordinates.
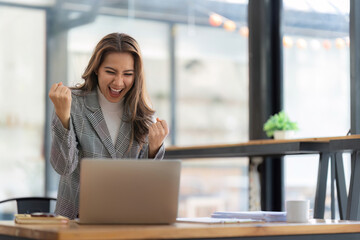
<point>112,113</point>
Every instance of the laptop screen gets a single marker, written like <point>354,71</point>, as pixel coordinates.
<point>131,191</point>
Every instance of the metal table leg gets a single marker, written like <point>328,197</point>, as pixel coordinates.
<point>332,186</point>
<point>354,190</point>
<point>340,185</point>
<point>319,205</point>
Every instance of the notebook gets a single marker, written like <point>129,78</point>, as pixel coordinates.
<point>33,219</point>
<point>116,191</point>
<point>268,216</point>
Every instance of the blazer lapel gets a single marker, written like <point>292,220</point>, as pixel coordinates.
<point>97,120</point>
<point>123,138</point>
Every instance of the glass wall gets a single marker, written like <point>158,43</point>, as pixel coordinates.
<point>316,83</point>
<point>213,185</point>
<point>22,103</point>
<point>212,86</point>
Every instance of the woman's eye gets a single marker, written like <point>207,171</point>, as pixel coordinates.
<point>110,72</point>
<point>128,74</point>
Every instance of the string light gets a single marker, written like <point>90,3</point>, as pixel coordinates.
<point>215,20</point>
<point>301,43</point>
<point>327,44</point>
<point>229,25</point>
<point>287,42</point>
<point>339,43</point>
<point>244,31</point>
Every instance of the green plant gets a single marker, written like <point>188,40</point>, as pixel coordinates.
<point>278,122</point>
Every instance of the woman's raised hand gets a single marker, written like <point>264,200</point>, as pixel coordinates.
<point>60,95</point>
<point>157,134</point>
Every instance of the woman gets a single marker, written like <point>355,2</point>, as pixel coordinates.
<point>106,116</point>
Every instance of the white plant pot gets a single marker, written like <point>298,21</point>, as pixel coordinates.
<point>287,134</point>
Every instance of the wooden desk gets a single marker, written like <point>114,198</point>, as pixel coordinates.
<point>316,230</point>
<point>271,147</point>
<point>264,147</point>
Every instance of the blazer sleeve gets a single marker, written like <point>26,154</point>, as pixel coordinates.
<point>64,152</point>
<point>144,153</point>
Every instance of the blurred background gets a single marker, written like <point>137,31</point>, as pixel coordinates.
<point>196,62</point>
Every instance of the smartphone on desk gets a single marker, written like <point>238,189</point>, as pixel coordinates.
<point>43,214</point>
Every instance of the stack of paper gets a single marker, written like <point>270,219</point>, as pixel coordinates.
<point>28,219</point>
<point>268,216</point>
<point>213,220</point>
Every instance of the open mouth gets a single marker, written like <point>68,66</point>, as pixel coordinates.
<point>115,92</point>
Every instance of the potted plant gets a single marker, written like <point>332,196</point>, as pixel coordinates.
<point>280,126</point>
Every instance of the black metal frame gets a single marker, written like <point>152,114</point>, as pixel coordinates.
<point>354,65</point>
<point>265,90</point>
<point>173,105</point>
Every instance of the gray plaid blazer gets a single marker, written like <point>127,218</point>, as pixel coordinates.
<point>88,137</point>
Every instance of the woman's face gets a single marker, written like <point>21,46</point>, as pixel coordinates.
<point>116,75</point>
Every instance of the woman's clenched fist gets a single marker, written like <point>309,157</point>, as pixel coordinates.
<point>60,95</point>
<point>157,134</point>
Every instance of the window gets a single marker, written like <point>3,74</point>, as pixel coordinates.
<point>22,102</point>
<point>212,86</point>
<point>316,81</point>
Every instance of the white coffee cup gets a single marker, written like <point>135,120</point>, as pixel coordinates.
<point>297,211</point>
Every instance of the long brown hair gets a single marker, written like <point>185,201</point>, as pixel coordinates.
<point>136,100</point>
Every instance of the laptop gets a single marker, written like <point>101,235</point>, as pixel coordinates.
<point>133,191</point>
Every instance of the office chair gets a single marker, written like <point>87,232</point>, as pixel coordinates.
<point>28,205</point>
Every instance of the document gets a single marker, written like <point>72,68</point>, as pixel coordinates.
<point>211,220</point>
<point>267,216</point>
